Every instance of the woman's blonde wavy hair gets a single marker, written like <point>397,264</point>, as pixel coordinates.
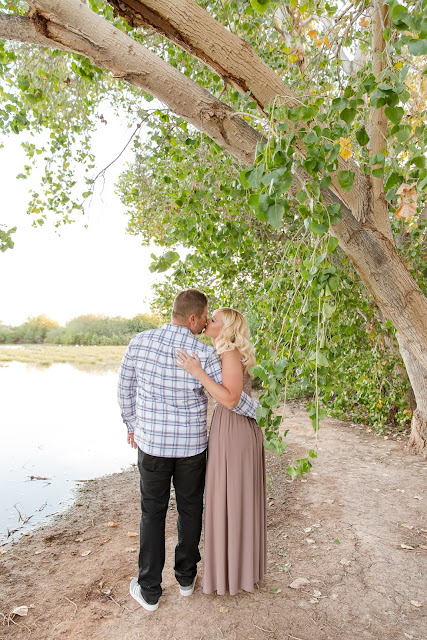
<point>235,335</point>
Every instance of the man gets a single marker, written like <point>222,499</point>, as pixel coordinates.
<point>165,411</point>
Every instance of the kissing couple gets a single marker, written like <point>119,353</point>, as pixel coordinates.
<point>163,403</point>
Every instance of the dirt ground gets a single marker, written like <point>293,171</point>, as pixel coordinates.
<point>355,529</point>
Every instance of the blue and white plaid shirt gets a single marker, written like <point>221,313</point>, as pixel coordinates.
<point>164,406</point>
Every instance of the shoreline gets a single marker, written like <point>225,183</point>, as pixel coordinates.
<point>50,520</point>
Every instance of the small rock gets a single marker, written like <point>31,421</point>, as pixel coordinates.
<point>20,611</point>
<point>298,583</point>
<point>417,604</point>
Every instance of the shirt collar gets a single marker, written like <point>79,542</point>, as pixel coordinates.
<point>178,329</point>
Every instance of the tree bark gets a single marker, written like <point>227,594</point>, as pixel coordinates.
<point>24,30</point>
<point>74,26</point>
<point>418,379</point>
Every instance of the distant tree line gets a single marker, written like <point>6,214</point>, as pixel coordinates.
<point>84,330</point>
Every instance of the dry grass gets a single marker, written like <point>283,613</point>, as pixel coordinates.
<point>85,357</point>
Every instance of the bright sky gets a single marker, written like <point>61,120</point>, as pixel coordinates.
<point>99,270</point>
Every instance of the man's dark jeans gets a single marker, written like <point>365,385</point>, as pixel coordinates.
<point>188,476</point>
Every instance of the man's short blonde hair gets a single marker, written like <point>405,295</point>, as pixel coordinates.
<point>188,302</point>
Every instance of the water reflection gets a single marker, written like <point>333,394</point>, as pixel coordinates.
<point>59,423</point>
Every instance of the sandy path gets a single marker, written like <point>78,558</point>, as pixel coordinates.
<point>363,584</point>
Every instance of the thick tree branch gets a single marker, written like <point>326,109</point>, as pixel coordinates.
<point>74,26</point>
<point>193,29</point>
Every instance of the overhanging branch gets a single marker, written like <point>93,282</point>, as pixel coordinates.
<point>73,26</point>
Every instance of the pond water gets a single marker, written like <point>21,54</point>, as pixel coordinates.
<point>58,423</point>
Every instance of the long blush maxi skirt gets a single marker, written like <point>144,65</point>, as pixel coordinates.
<point>235,555</point>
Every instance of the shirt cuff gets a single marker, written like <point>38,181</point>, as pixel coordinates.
<point>130,424</point>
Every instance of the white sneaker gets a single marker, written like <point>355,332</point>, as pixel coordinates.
<point>135,592</point>
<point>188,591</point>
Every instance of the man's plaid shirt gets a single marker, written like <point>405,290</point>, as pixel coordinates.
<point>163,405</point>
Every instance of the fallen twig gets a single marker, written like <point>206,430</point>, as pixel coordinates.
<point>72,603</point>
<point>115,602</point>
<point>261,629</point>
<point>24,518</point>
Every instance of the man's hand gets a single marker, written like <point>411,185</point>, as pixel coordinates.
<point>131,441</point>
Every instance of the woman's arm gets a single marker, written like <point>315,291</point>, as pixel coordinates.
<point>228,393</point>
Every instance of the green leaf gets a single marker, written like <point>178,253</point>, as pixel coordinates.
<point>338,104</point>
<point>362,137</point>
<point>392,180</point>
<point>417,47</point>
<point>275,590</point>
<point>399,17</point>
<point>346,179</point>
<point>23,83</point>
<point>281,365</point>
<point>286,181</point>
<point>260,6</point>
<point>394,114</point>
<point>275,215</point>
<point>319,228</point>
<point>332,244</point>
<point>259,372</point>
<point>419,161</point>
<point>273,176</point>
<point>171,256</point>
<point>322,414</point>
<point>328,310</point>
<point>378,172</point>
<point>348,115</point>
<point>402,132</point>
<point>292,471</point>
<point>260,413</point>
<point>253,200</point>
<point>333,283</point>
<point>322,360</point>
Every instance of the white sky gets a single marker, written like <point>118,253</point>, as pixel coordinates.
<point>99,270</point>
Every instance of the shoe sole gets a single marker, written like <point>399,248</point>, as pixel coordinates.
<point>140,600</point>
<point>188,592</point>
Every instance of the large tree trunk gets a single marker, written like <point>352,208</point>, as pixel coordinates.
<point>418,379</point>
<point>73,26</point>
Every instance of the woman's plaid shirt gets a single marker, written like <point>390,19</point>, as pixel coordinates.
<point>163,405</point>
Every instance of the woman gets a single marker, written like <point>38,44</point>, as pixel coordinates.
<point>235,503</point>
